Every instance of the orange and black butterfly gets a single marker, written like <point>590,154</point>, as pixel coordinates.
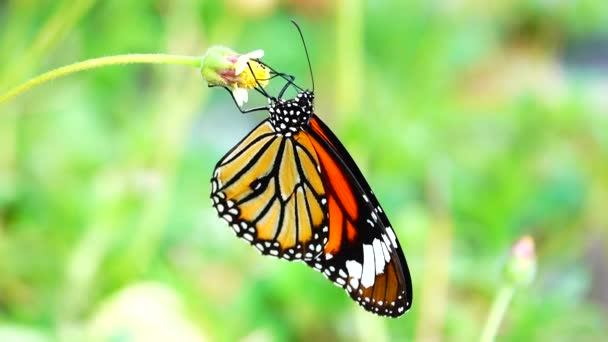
<point>292,191</point>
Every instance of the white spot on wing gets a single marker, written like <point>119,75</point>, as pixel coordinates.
<point>391,234</point>
<point>378,256</point>
<point>387,254</point>
<point>354,269</point>
<point>369,274</point>
<point>386,240</point>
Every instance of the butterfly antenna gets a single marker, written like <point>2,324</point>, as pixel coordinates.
<point>312,79</point>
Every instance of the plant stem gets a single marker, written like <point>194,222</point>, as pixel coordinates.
<point>192,61</point>
<point>497,313</point>
<point>63,19</point>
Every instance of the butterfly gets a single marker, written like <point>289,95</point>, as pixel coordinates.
<point>292,190</point>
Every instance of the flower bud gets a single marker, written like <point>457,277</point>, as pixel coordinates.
<point>521,266</point>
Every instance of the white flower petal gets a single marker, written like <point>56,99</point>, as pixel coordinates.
<point>241,64</point>
<point>242,60</point>
<point>256,54</point>
<point>240,95</point>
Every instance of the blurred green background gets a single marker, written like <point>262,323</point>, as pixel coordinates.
<point>476,122</point>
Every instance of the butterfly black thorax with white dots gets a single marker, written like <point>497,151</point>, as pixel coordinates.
<point>289,116</point>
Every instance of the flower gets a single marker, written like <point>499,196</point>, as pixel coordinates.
<point>241,96</point>
<point>242,60</point>
<point>221,66</point>
<point>521,267</point>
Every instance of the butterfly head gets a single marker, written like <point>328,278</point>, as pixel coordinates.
<point>288,116</point>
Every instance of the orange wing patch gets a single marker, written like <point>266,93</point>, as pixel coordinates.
<point>314,124</point>
<point>335,227</point>
<point>342,204</point>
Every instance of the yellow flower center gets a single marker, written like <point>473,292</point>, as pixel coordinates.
<point>246,79</point>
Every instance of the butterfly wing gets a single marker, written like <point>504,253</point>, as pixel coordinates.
<point>268,188</point>
<point>362,255</point>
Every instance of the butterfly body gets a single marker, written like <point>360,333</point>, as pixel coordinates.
<point>291,190</point>
<point>293,115</point>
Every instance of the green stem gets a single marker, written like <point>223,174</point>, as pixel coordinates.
<point>63,19</point>
<point>497,313</point>
<point>97,63</point>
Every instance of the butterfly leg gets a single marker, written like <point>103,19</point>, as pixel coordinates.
<point>243,111</point>
<point>282,91</point>
<point>289,78</point>
<point>260,89</point>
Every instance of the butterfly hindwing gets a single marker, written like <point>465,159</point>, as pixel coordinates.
<point>268,188</point>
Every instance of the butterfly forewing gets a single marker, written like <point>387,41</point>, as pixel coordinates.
<point>362,255</point>
<point>269,189</point>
